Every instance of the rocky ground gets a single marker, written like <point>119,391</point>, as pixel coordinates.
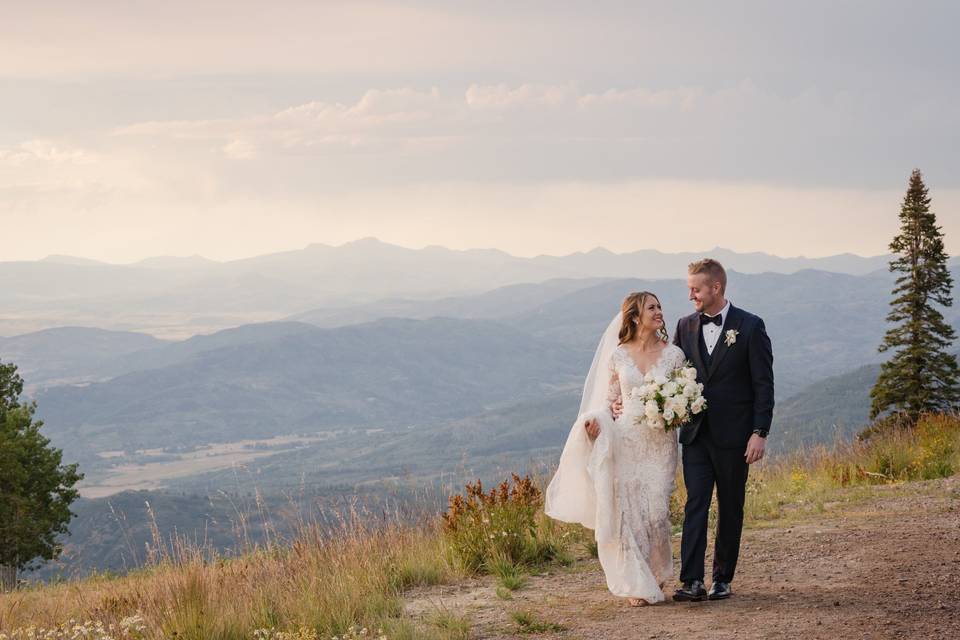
<point>882,566</point>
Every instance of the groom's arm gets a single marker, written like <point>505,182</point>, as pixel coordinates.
<point>761,374</point>
<point>676,334</point>
<point>760,358</point>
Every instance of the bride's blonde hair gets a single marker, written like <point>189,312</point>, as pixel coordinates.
<point>631,309</point>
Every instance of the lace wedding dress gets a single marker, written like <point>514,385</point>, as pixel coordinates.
<point>620,484</point>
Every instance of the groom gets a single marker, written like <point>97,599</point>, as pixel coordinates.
<point>731,351</point>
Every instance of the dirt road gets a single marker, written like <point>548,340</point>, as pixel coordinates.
<point>883,567</point>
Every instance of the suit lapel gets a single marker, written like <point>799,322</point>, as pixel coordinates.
<point>693,339</point>
<point>732,321</point>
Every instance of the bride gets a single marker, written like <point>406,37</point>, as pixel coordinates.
<point>616,475</point>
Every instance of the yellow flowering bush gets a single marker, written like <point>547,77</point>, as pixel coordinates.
<point>500,525</point>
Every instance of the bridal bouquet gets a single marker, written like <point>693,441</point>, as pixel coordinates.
<point>667,402</point>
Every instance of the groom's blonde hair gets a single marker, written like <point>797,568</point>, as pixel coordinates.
<point>713,270</point>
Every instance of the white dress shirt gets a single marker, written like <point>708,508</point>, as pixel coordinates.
<point>711,332</point>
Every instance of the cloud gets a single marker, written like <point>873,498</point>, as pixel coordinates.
<point>240,150</point>
<point>524,219</point>
<point>530,132</point>
<point>684,98</point>
<point>502,96</point>
<point>378,116</point>
<point>45,152</point>
<point>409,118</point>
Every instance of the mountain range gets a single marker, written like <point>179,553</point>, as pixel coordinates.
<point>383,366</point>
<point>534,341</point>
<point>298,378</point>
<point>173,297</point>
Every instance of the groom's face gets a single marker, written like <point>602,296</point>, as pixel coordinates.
<point>704,293</point>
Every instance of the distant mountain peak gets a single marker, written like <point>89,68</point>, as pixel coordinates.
<point>600,251</point>
<point>65,259</point>
<point>369,241</point>
<point>168,262</point>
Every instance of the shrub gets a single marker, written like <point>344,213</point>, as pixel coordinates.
<point>528,622</point>
<point>498,526</point>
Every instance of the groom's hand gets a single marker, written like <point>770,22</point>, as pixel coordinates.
<point>616,408</point>
<point>755,447</point>
<point>592,427</point>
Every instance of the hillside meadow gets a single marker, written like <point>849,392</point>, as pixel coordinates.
<point>349,578</point>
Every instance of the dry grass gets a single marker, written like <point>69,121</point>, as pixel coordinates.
<point>339,581</point>
<point>324,581</point>
<point>808,479</point>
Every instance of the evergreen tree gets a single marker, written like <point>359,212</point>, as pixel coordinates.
<point>922,375</point>
<point>35,488</point>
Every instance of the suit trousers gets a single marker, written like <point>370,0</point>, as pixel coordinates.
<point>706,465</point>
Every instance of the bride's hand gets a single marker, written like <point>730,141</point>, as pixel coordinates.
<point>592,427</point>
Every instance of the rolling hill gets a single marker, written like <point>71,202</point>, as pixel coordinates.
<point>385,374</point>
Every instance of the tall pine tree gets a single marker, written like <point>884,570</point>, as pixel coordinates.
<point>922,375</point>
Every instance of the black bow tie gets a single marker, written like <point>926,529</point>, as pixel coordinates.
<point>717,319</point>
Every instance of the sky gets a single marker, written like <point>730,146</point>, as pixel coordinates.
<point>230,129</point>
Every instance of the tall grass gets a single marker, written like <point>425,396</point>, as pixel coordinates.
<point>806,480</point>
<point>323,582</point>
<point>349,580</point>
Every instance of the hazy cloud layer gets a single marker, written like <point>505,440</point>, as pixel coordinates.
<point>535,127</point>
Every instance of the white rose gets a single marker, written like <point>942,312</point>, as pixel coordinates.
<point>668,415</point>
<point>681,411</point>
<point>660,380</point>
<point>697,405</point>
<point>670,389</point>
<point>690,373</point>
<point>690,390</point>
<point>633,406</point>
<point>648,377</point>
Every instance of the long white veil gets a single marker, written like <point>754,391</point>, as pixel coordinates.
<point>572,494</point>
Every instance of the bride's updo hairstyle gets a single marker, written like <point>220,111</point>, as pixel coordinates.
<point>631,307</point>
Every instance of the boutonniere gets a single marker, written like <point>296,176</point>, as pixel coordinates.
<point>731,337</point>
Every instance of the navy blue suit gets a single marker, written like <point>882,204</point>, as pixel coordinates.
<point>738,387</point>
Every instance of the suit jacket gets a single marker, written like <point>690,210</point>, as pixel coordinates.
<point>737,379</point>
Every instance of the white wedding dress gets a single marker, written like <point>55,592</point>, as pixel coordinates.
<point>620,484</point>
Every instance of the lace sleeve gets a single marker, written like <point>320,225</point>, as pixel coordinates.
<point>613,387</point>
<point>679,357</point>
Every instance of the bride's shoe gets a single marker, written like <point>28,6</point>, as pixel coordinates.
<point>637,602</point>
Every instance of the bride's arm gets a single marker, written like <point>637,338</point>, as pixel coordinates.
<point>614,398</point>
<point>614,394</point>
<point>679,357</point>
